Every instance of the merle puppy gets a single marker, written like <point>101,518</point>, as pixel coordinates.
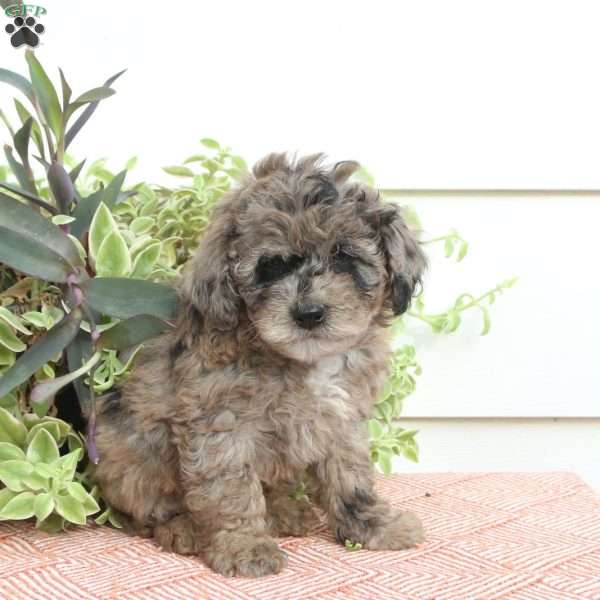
<point>279,353</point>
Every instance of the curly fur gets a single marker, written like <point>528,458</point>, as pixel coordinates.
<point>222,418</point>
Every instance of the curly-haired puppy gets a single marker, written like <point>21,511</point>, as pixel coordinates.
<point>275,364</point>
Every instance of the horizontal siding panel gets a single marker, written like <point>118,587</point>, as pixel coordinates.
<point>540,358</point>
<point>484,445</point>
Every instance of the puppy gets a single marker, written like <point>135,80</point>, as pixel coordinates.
<point>276,361</point>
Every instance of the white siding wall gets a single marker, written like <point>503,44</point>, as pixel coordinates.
<point>526,396</point>
<point>507,445</point>
<point>541,355</point>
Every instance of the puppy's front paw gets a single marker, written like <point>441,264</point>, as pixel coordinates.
<point>244,555</point>
<point>404,530</point>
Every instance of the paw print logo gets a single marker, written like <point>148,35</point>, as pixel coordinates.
<point>24,31</point>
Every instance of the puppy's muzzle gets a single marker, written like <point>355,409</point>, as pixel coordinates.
<point>309,316</point>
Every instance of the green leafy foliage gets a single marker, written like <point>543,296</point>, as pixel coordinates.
<point>40,481</point>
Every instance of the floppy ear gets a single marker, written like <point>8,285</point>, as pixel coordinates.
<point>406,262</point>
<point>207,284</point>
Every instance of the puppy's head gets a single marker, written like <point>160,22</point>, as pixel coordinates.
<point>310,259</point>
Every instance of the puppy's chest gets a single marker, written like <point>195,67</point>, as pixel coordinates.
<point>311,413</point>
<point>328,390</point>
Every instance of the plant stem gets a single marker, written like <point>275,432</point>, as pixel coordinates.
<point>437,239</point>
<point>427,318</point>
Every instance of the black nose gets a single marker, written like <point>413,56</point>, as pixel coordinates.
<point>309,316</point>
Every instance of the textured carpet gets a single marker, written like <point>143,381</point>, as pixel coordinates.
<point>511,535</point>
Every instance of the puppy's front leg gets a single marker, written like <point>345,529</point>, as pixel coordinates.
<point>355,512</point>
<point>225,499</point>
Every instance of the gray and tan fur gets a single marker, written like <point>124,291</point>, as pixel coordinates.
<point>279,353</point>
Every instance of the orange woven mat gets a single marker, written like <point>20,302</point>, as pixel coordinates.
<point>496,535</point>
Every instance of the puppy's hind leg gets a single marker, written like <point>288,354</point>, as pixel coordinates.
<point>179,534</point>
<point>288,514</point>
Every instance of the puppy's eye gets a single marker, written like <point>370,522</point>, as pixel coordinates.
<point>341,257</point>
<point>273,268</point>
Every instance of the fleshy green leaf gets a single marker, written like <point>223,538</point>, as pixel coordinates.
<point>35,481</point>
<point>102,225</point>
<point>12,472</point>
<point>52,524</point>
<point>74,173</point>
<point>141,225</point>
<point>74,442</point>
<point>22,219</point>
<point>17,81</point>
<point>43,506</point>
<point>42,448</point>
<point>113,189</point>
<point>20,507</point>
<point>132,332</point>
<point>113,258</point>
<point>12,430</point>
<point>10,451</point>
<point>70,509</point>
<point>78,352</point>
<point>67,464</point>
<point>385,460</point>
<point>27,255</point>
<point>36,133</point>
<point>19,171</point>
<point>65,220</point>
<point>179,171</point>
<point>52,426</point>
<point>375,429</point>
<point>66,89</point>
<point>13,320</point>
<point>45,93</point>
<point>410,453</point>
<point>7,359</point>
<point>35,318</point>
<point>145,261</point>
<point>94,95</point>
<point>6,496</point>
<point>195,158</point>
<point>448,247</point>
<point>486,320</point>
<point>46,471</point>
<point>47,389</point>
<point>210,143</point>
<point>124,298</point>
<point>40,353</point>
<point>84,212</point>
<point>131,163</point>
<point>21,140</point>
<point>9,340</point>
<point>77,491</point>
